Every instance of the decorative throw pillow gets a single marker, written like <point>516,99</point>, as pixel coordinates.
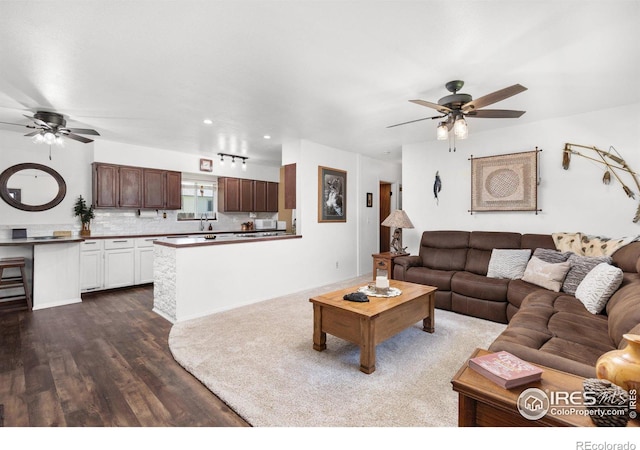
<point>598,286</point>
<point>508,263</point>
<point>604,246</point>
<point>546,275</point>
<point>568,242</point>
<point>580,267</point>
<point>551,256</point>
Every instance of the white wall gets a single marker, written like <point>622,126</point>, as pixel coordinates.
<point>71,162</point>
<point>571,200</point>
<point>349,244</point>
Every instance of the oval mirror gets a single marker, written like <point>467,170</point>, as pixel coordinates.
<point>32,187</point>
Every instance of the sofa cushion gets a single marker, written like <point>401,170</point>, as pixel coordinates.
<point>568,242</point>
<point>508,263</point>
<point>623,310</point>
<point>430,277</point>
<point>598,286</point>
<point>444,250</point>
<point>551,256</point>
<point>518,290</point>
<point>482,243</point>
<point>535,241</point>
<point>580,267</point>
<point>547,275</point>
<point>478,286</point>
<point>628,258</point>
<point>555,329</point>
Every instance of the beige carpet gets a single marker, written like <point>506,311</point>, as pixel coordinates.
<point>259,359</point>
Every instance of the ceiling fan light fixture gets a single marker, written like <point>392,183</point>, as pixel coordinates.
<point>442,133</point>
<point>49,138</point>
<point>460,128</point>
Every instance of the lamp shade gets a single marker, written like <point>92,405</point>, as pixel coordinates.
<point>397,219</point>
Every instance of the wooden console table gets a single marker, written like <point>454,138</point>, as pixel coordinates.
<point>482,403</point>
<point>384,261</point>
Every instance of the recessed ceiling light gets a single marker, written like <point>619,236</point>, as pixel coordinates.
<point>266,136</point>
<point>208,121</point>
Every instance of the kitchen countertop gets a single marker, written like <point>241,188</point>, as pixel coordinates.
<point>37,240</point>
<point>185,234</point>
<point>178,241</point>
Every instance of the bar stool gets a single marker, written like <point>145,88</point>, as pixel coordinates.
<point>14,302</point>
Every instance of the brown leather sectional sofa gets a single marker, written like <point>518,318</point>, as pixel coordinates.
<point>545,327</point>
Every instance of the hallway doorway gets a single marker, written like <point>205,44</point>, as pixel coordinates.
<point>385,210</point>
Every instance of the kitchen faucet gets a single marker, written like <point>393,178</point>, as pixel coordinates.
<point>202,219</point>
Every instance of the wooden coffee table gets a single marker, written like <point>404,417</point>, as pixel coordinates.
<point>369,323</point>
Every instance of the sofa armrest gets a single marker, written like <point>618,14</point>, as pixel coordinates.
<point>408,261</point>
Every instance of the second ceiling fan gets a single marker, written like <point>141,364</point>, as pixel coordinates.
<point>455,107</point>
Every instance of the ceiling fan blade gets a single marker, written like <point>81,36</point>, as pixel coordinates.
<point>83,131</point>
<point>496,113</point>
<point>494,97</point>
<point>76,137</point>
<point>16,124</point>
<point>33,133</point>
<point>417,120</point>
<point>442,109</point>
<point>38,122</point>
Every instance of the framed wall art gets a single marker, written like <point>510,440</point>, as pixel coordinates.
<point>206,165</point>
<point>505,182</point>
<point>332,195</point>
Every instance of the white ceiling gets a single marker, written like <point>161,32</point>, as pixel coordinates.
<point>334,72</point>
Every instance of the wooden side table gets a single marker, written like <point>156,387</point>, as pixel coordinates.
<point>384,261</point>
<point>482,403</point>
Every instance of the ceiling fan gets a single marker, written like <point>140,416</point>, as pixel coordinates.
<point>455,107</point>
<point>50,127</point>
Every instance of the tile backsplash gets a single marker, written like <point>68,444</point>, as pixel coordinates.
<point>112,222</point>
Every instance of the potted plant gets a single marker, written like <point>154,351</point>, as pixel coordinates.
<point>85,213</point>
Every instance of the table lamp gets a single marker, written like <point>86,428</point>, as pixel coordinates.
<point>399,220</point>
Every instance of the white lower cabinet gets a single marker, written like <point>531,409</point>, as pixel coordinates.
<point>113,263</point>
<point>144,260</point>
<point>118,263</point>
<point>91,270</point>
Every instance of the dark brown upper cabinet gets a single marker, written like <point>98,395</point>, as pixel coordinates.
<point>174,190</point>
<point>290,186</point>
<point>116,186</point>
<point>243,195</point>
<point>229,194</point>
<point>162,189</point>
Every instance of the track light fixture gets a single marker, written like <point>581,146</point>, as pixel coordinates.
<point>233,160</point>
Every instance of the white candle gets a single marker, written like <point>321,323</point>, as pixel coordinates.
<point>382,282</point>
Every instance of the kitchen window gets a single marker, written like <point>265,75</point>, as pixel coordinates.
<point>199,197</point>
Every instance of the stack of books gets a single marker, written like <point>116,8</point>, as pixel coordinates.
<point>505,369</point>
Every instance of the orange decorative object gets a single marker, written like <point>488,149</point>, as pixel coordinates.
<point>622,367</point>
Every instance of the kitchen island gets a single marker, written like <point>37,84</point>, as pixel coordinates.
<point>194,276</point>
<point>53,268</point>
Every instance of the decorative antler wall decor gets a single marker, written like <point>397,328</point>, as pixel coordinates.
<point>611,167</point>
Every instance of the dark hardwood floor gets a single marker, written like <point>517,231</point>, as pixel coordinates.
<point>102,362</point>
